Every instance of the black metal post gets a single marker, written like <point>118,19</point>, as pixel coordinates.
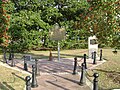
<point>37,72</point>
<point>28,84</point>
<point>95,81</point>
<point>34,80</point>
<point>13,62</point>
<point>4,55</point>
<point>101,55</point>
<point>25,64</point>
<point>85,61</point>
<point>13,55</point>
<point>94,60</point>
<point>10,56</point>
<point>75,66</point>
<point>82,78</point>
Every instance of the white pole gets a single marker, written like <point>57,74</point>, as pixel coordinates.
<point>58,51</point>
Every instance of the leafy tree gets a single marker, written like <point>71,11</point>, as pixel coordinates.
<point>38,17</point>
<point>32,20</point>
<point>26,29</point>
<point>4,23</point>
<point>101,19</point>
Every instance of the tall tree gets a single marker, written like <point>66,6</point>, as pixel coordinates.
<point>101,19</point>
<point>4,25</point>
<point>32,20</point>
<point>4,22</point>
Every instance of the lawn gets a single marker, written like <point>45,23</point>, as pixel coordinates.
<point>11,79</point>
<point>63,53</point>
<point>109,72</point>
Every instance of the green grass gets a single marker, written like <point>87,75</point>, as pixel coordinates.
<point>109,72</point>
<point>63,53</point>
<point>45,54</point>
<point>11,79</point>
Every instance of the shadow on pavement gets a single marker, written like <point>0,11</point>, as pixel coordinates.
<point>68,79</point>
<point>57,85</point>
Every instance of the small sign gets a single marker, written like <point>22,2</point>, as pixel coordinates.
<point>57,33</point>
<point>28,59</point>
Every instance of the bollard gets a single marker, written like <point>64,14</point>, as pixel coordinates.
<point>28,84</point>
<point>85,61</point>
<point>34,80</point>
<point>82,78</point>
<point>37,72</point>
<point>75,66</point>
<point>4,55</point>
<point>11,55</point>
<point>92,55</point>
<point>25,65</point>
<point>12,63</point>
<point>5,59</point>
<point>101,55</point>
<point>12,58</point>
<point>94,60</point>
<point>95,81</point>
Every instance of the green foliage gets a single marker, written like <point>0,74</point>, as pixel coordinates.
<point>115,42</point>
<point>4,22</point>
<point>32,20</point>
<point>101,19</point>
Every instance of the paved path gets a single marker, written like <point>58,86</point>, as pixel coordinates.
<point>60,82</point>
<point>57,75</point>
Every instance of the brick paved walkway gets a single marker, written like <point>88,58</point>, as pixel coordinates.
<point>57,75</point>
<point>59,82</point>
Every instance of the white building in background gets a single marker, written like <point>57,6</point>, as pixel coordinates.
<point>92,46</point>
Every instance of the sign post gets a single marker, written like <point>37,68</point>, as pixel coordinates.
<point>57,33</point>
<point>58,51</point>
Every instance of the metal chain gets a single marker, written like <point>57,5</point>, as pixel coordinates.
<point>89,57</point>
<point>89,79</point>
<point>80,60</point>
<point>88,76</point>
<point>79,66</point>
